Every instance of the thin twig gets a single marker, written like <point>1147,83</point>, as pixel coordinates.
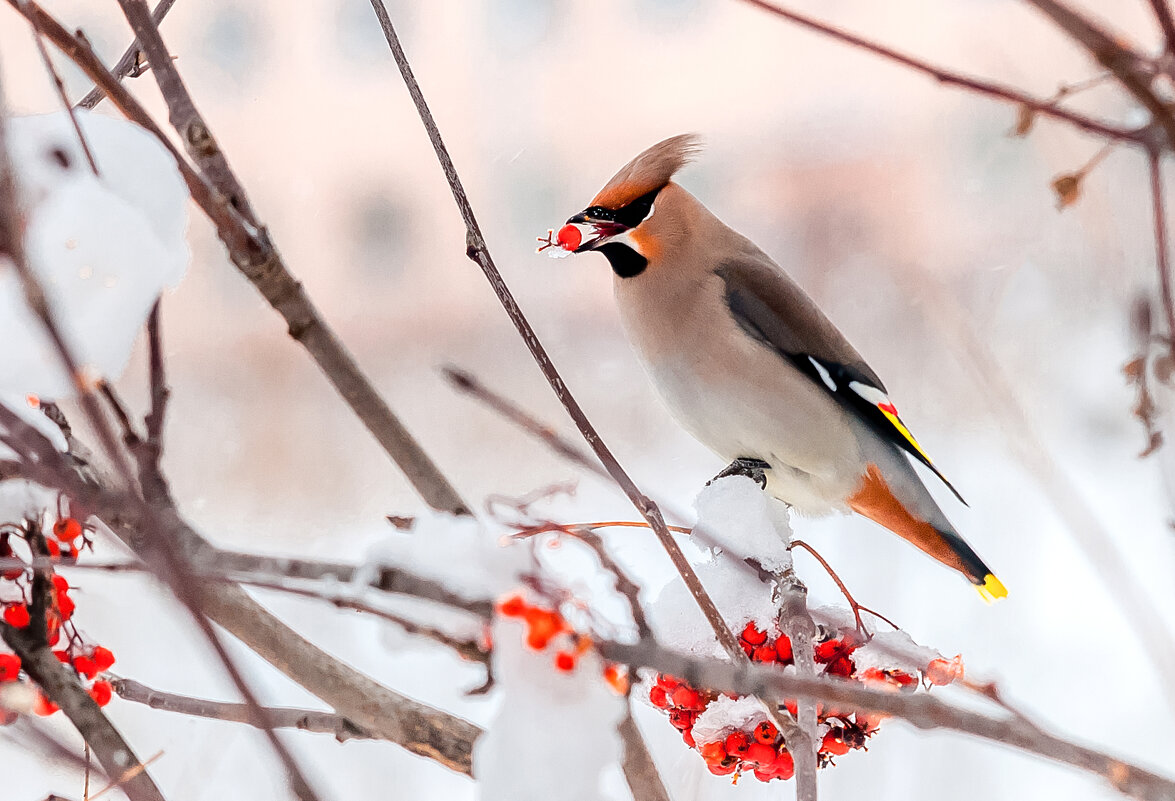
<point>950,78</point>
<point>1130,68</point>
<point>130,64</point>
<point>478,252</point>
<point>856,607</point>
<point>1166,23</point>
<point>1162,260</point>
<point>340,727</point>
<point>59,85</point>
<point>261,263</point>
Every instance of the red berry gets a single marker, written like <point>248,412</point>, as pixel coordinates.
<point>67,529</point>
<point>687,737</point>
<point>85,666</point>
<point>737,743</point>
<point>766,733</point>
<point>825,651</point>
<point>687,698</point>
<point>62,657</point>
<point>668,683</point>
<point>658,697</point>
<point>903,679</point>
<point>764,653</point>
<point>569,237</point>
<point>565,661</point>
<point>682,719</point>
<point>760,753</point>
<point>713,752</point>
<point>101,692</point>
<point>54,549</point>
<point>834,743</point>
<point>790,705</point>
<point>512,606</point>
<point>17,615</point>
<point>65,605</point>
<point>753,636</point>
<point>942,671</point>
<point>102,657</point>
<point>841,666</point>
<point>59,583</point>
<point>783,649</point>
<point>722,770</point>
<point>784,766</point>
<point>43,706</point>
<point>9,667</point>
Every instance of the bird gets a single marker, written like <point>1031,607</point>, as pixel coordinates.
<point>749,364</point>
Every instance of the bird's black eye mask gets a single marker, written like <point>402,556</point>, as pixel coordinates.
<point>629,216</point>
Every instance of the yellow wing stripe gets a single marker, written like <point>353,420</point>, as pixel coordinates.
<point>905,432</point>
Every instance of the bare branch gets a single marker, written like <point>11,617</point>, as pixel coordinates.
<point>1162,262</point>
<point>639,770</point>
<point>1130,68</point>
<point>923,710</point>
<point>802,739</point>
<point>1166,23</point>
<point>255,256</point>
<point>477,251</point>
<point>130,64</point>
<point>947,77</point>
<point>310,720</point>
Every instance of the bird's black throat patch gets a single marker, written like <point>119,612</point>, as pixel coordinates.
<point>625,261</point>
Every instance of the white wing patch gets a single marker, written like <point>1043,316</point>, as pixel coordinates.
<point>825,376</point>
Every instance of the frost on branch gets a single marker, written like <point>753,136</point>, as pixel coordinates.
<point>104,247</point>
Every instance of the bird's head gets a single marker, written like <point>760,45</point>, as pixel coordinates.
<point>635,216</point>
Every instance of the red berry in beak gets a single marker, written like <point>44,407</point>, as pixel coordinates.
<point>569,237</point>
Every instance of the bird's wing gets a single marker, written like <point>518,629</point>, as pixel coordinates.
<point>773,309</point>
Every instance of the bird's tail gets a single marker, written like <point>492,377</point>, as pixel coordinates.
<point>876,501</point>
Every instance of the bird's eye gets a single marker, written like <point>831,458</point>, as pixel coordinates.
<point>637,211</point>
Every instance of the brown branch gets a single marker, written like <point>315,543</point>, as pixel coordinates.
<point>61,686</point>
<point>477,251</point>
<point>639,769</point>
<point>951,78</point>
<point>1166,23</point>
<point>130,64</point>
<point>802,739</point>
<point>1130,68</point>
<point>624,584</point>
<point>340,727</point>
<point>59,86</point>
<point>255,256</point>
<point>923,710</point>
<point>418,728</point>
<point>1162,262</point>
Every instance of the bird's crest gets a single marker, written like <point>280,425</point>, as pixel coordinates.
<point>648,172</point>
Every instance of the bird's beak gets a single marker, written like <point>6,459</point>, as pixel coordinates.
<point>595,231</point>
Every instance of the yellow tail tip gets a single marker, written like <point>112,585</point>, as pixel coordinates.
<point>992,589</point>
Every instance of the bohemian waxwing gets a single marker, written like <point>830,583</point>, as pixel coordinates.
<point>751,367</point>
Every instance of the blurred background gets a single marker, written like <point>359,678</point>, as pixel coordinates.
<point>925,230</point>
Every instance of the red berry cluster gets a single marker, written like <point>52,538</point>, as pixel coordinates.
<point>544,626</point>
<point>760,749</point>
<point>62,542</point>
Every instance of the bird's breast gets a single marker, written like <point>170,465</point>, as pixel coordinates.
<point>736,395</point>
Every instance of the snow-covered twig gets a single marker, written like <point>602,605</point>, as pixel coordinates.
<point>802,739</point>
<point>922,710</point>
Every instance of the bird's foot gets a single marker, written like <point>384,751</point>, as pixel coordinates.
<point>755,469</point>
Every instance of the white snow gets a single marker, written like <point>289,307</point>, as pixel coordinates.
<point>736,515</point>
<point>460,551</point>
<point>725,714</point>
<point>554,735</point>
<point>894,650</point>
<point>736,590</point>
<point>104,247</point>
